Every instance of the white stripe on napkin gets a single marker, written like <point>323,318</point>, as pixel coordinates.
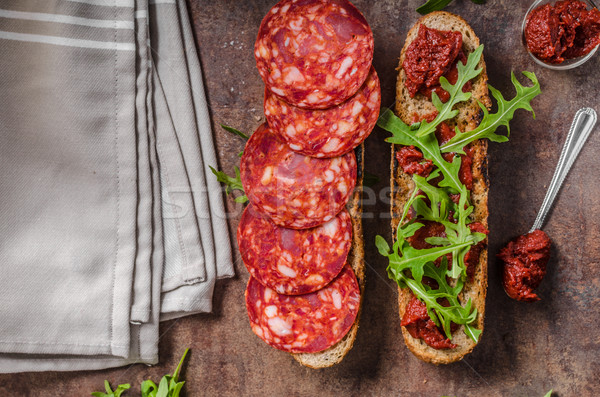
<point>67,19</point>
<point>62,41</point>
<point>106,3</point>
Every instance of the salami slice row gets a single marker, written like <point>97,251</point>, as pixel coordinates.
<point>304,323</point>
<point>314,53</point>
<point>293,190</point>
<point>327,132</point>
<point>294,262</point>
<point>298,170</point>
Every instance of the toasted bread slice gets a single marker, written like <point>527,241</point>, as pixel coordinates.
<point>337,352</point>
<point>402,185</point>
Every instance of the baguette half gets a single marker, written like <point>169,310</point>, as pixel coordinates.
<point>337,352</point>
<point>402,186</point>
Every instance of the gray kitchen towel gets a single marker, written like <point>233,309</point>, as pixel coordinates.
<point>103,182</point>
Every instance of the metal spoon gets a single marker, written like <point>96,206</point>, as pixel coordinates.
<point>582,126</point>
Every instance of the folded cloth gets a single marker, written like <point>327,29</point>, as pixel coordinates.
<point>182,89</point>
<point>108,215</point>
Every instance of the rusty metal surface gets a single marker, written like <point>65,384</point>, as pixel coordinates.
<point>526,349</point>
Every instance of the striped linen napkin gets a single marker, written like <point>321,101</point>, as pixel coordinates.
<point>108,218</point>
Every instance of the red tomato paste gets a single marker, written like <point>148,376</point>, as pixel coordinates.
<point>411,161</point>
<point>420,326</point>
<point>565,30</point>
<point>525,260</point>
<point>431,55</point>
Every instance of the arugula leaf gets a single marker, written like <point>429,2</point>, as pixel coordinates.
<point>436,5</point>
<point>433,5</point>
<point>457,233</point>
<point>168,386</point>
<point>441,315</point>
<point>236,132</point>
<point>382,246</point>
<point>491,122</point>
<point>231,183</point>
<point>445,110</point>
<point>109,393</point>
<point>428,145</point>
<point>472,332</point>
<point>549,394</point>
<point>440,202</point>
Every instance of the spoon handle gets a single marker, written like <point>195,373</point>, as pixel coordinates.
<point>582,126</point>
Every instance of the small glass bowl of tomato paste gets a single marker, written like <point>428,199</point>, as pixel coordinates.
<point>572,58</point>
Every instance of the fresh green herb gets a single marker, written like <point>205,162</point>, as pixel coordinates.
<point>419,263</point>
<point>433,5</point>
<point>236,132</point>
<point>403,135</point>
<point>168,386</point>
<point>109,393</point>
<point>491,122</point>
<point>231,183</point>
<point>407,265</point>
<point>436,5</point>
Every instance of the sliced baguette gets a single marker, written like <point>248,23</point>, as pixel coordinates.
<point>402,185</point>
<point>337,352</point>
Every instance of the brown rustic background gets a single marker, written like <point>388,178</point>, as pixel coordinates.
<point>526,349</point>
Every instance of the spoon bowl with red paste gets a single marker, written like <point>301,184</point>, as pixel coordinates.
<point>526,256</point>
<point>561,34</point>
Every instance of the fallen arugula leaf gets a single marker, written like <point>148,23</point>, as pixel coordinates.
<point>436,5</point>
<point>231,183</point>
<point>109,393</point>
<point>407,265</point>
<point>168,386</point>
<point>549,394</point>
<point>234,131</point>
<point>433,5</point>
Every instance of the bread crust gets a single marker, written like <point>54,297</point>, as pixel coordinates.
<point>402,186</point>
<point>337,352</point>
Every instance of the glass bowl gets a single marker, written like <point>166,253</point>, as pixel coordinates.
<point>567,63</point>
